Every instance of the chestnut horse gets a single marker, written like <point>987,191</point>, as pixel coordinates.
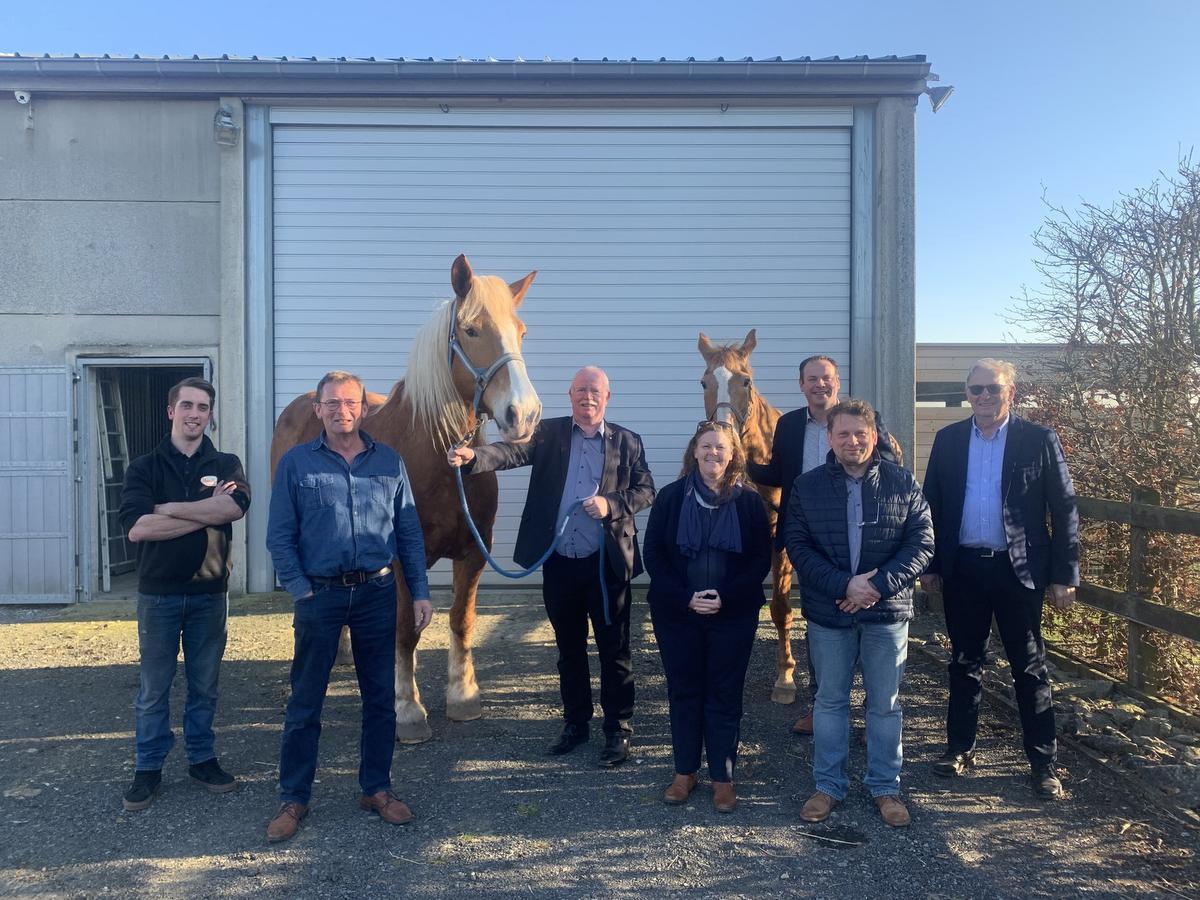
<point>729,396</point>
<point>433,406</point>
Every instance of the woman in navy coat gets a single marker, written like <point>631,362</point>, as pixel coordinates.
<point>707,549</point>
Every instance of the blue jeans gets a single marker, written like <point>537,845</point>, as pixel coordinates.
<point>881,649</point>
<point>370,612</point>
<point>164,620</point>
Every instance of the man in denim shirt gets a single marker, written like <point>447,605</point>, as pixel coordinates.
<point>341,511</point>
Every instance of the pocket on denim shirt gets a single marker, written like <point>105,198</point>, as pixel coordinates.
<point>316,491</point>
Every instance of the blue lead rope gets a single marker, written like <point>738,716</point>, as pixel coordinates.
<point>507,573</point>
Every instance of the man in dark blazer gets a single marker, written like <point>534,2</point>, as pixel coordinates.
<point>796,449</point>
<point>582,457</point>
<point>992,481</point>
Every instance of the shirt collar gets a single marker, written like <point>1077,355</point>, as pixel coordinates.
<point>368,441</point>
<point>999,431</point>
<point>600,432</point>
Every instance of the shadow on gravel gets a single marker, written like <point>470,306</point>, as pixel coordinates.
<point>497,817</point>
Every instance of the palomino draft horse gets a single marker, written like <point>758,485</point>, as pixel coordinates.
<point>465,360</point>
<point>729,396</point>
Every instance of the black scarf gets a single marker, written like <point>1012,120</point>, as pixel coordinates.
<point>726,531</point>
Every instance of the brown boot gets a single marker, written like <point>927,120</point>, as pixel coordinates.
<point>286,821</point>
<point>390,807</point>
<point>892,811</point>
<point>803,724</point>
<point>680,789</point>
<point>724,799</point>
<point>818,807</point>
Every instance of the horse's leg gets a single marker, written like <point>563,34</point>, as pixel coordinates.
<point>462,691</point>
<point>412,725</point>
<point>345,655</point>
<point>784,690</point>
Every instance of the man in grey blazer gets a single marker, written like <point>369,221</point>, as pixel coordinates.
<point>991,482</point>
<point>582,457</point>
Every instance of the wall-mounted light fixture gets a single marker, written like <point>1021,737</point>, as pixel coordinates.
<point>225,130</point>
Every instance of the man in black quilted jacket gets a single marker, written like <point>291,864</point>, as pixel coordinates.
<point>858,533</point>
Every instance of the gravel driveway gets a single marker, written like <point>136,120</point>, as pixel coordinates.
<point>498,818</point>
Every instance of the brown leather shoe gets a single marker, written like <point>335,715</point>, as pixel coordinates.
<point>286,822</point>
<point>724,799</point>
<point>894,812</point>
<point>818,807</point>
<point>390,807</point>
<point>803,724</point>
<point>680,789</point>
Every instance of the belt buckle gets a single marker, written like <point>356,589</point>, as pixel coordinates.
<point>349,579</point>
<point>986,552</point>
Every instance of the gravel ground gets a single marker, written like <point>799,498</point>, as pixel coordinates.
<point>498,818</point>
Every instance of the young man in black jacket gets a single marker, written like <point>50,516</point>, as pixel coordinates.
<point>177,505</point>
<point>859,534</point>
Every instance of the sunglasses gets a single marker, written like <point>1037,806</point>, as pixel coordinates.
<point>976,389</point>
<point>711,423</point>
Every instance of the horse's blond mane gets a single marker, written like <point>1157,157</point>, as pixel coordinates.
<point>427,382</point>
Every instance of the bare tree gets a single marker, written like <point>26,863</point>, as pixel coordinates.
<point>1118,290</point>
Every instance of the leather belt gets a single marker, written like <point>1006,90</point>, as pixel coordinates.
<point>982,552</point>
<point>349,579</point>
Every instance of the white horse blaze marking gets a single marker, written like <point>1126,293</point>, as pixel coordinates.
<point>722,374</point>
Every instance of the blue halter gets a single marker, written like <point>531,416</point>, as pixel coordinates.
<point>483,377</point>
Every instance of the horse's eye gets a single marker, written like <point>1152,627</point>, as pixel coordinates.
<point>472,332</point>
<point>746,382</point>
<point>702,384</point>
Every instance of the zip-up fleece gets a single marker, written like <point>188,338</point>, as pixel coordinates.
<point>195,563</point>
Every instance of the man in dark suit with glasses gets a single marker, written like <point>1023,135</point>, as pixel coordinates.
<point>992,481</point>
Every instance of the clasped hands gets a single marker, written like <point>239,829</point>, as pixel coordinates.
<point>705,602</point>
<point>860,593</point>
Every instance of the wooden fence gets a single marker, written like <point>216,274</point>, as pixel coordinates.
<point>1143,515</point>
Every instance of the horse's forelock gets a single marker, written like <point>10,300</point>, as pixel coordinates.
<point>729,356</point>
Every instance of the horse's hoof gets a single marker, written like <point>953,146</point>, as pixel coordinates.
<point>464,710</point>
<point>413,732</point>
<point>784,695</point>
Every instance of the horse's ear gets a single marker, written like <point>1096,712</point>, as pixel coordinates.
<point>461,276</point>
<point>750,342</point>
<point>704,345</point>
<point>519,287</point>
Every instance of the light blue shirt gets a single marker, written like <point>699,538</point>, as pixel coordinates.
<point>584,471</point>
<point>983,505</point>
<point>854,519</point>
<point>816,445</point>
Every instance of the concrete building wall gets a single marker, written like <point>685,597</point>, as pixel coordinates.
<point>120,229</point>
<point>110,224</point>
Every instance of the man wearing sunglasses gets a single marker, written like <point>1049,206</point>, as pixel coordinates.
<point>342,510</point>
<point>801,444</point>
<point>992,481</point>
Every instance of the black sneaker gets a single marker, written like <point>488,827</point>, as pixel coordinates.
<point>143,790</point>
<point>1046,784</point>
<point>209,774</point>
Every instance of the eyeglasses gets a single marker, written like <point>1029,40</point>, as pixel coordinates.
<point>711,423</point>
<point>335,405</point>
<point>976,389</point>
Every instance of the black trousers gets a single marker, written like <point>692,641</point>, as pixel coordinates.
<point>982,588</point>
<point>705,658</point>
<point>571,591</point>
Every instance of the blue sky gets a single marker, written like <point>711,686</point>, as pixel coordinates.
<point>1063,98</point>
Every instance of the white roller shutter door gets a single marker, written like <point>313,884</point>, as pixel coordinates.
<point>646,229</point>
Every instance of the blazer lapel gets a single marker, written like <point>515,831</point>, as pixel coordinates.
<point>608,478</point>
<point>1016,432</point>
<point>958,474</point>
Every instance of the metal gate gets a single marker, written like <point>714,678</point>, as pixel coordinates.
<point>36,496</point>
